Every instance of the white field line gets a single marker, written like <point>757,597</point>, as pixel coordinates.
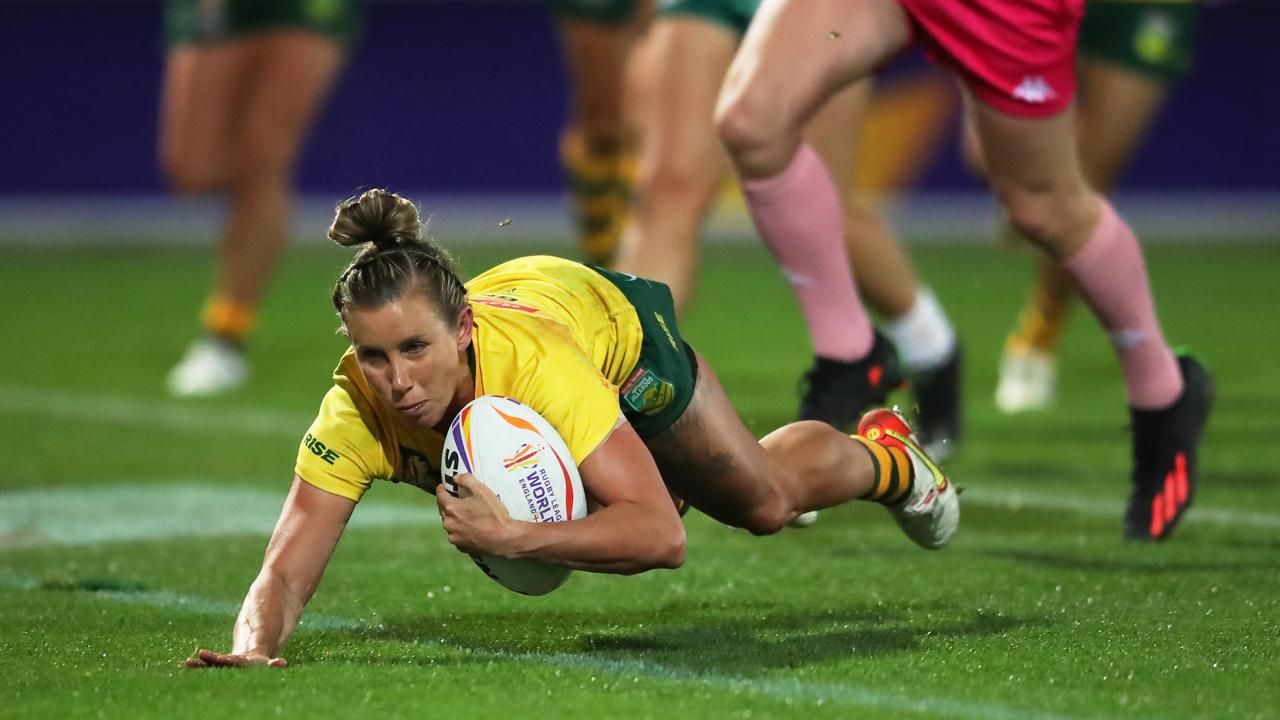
<point>259,421</point>
<point>129,512</point>
<point>1016,500</point>
<point>185,603</point>
<point>61,404</point>
<point>785,689</point>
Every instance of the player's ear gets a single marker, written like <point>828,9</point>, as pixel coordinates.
<point>466,324</point>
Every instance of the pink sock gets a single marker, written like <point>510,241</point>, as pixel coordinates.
<point>799,215</point>
<point>1113,281</point>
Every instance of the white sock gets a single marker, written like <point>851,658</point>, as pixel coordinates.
<point>924,336</point>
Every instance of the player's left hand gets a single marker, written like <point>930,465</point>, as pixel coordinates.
<point>476,521</point>
<point>208,658</point>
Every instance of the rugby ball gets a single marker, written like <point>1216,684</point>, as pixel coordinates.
<point>518,455</point>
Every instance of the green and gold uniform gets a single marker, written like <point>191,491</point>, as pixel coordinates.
<point>1155,38</point>
<point>209,21</point>
<point>608,12</point>
<point>733,14</point>
<point>574,343</point>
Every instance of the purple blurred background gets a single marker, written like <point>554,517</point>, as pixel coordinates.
<point>488,98</point>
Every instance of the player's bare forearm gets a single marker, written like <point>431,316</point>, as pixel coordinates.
<point>308,529</point>
<point>623,538</point>
<point>267,617</point>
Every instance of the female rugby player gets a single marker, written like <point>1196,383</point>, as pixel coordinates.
<point>1131,53</point>
<point>1017,60</point>
<point>678,74</point>
<point>243,83</point>
<point>599,355</point>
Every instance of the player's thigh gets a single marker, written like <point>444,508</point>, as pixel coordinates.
<point>1033,166</point>
<point>709,458</point>
<point>204,85</point>
<point>294,70</point>
<point>798,52</point>
<point>1116,109</point>
<point>596,50</point>
<point>679,146</point>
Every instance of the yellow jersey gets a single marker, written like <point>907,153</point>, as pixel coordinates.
<point>551,333</point>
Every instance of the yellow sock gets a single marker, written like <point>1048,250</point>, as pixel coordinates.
<point>228,319</point>
<point>892,471</point>
<point>1044,316</point>
<point>601,187</point>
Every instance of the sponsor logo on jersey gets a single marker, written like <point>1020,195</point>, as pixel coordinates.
<point>499,302</point>
<point>320,450</point>
<point>662,322</point>
<point>1155,39</point>
<point>417,470</point>
<point>1034,89</point>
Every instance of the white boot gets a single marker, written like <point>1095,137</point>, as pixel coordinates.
<point>210,367</point>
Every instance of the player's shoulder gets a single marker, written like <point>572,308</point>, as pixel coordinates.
<point>524,265</point>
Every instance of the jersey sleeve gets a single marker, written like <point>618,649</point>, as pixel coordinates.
<point>339,453</point>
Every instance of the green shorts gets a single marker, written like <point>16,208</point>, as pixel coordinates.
<point>733,14</point>
<point>660,387</point>
<point>1155,38</point>
<point>197,21</point>
<point>608,12</point>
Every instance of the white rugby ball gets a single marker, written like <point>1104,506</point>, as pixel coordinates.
<point>518,455</point>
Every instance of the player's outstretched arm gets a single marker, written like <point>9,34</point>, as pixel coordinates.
<point>634,529</point>
<point>310,524</point>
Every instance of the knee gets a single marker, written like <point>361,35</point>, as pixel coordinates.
<point>1051,218</point>
<point>1029,213</point>
<point>677,176</point>
<point>741,123</point>
<point>188,176</point>
<point>260,160</point>
<point>768,516</point>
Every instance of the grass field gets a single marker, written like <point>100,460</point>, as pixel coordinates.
<point>132,524</point>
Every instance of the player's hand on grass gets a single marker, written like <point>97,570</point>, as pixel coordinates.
<point>208,658</point>
<point>476,520</point>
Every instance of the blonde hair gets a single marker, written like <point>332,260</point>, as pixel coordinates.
<point>395,259</point>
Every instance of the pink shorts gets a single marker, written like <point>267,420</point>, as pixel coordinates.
<point>1018,56</point>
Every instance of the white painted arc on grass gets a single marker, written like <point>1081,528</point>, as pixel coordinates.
<point>128,512</point>
<point>1015,500</point>
<point>60,404</point>
<point>774,688</point>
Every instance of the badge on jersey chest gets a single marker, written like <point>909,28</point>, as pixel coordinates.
<point>417,470</point>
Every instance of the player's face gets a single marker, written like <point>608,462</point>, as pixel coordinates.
<point>412,357</point>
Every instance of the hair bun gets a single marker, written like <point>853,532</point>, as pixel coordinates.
<point>376,216</point>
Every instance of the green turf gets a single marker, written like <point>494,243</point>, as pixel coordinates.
<point>1037,610</point>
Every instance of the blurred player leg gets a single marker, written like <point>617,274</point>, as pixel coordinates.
<point>594,146</point>
<point>681,162</point>
<point>1034,169</point>
<point>236,108</point>
<point>202,89</point>
<point>912,318</point>
<point>1129,55</point>
<point>795,56</point>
